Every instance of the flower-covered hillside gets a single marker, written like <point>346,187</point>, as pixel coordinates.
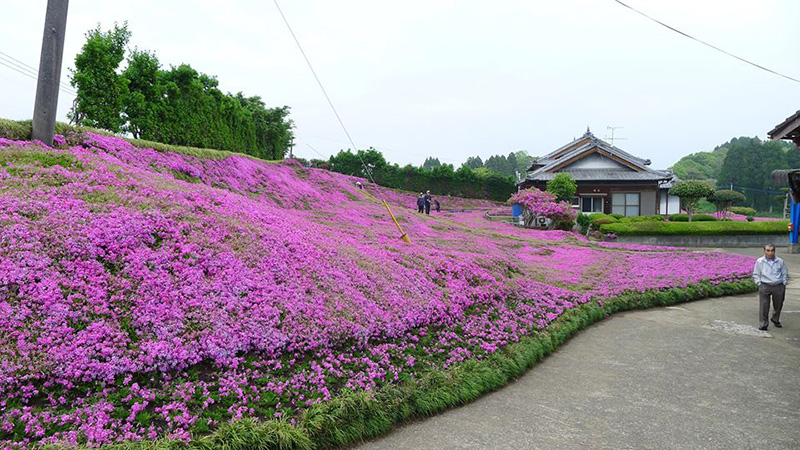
<point>146,294</point>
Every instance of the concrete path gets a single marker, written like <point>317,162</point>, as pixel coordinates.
<point>695,376</point>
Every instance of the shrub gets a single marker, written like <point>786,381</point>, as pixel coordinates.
<point>563,187</point>
<point>617,215</point>
<point>679,217</point>
<point>750,218</point>
<point>704,218</point>
<point>743,210</point>
<point>690,192</point>
<point>695,228</point>
<point>653,218</point>
<point>724,199</point>
<point>537,203</point>
<point>599,219</point>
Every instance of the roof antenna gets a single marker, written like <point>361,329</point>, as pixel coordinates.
<point>612,138</point>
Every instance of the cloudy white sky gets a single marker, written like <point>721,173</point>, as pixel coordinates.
<point>454,79</point>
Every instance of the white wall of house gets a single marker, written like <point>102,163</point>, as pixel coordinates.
<point>596,161</point>
<point>670,204</point>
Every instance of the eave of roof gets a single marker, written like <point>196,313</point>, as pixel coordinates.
<point>786,129</point>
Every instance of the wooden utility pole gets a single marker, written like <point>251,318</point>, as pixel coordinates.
<point>46,103</point>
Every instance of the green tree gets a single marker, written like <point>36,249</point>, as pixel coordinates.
<point>101,90</point>
<point>563,187</point>
<point>724,199</point>
<point>690,193</point>
<point>473,162</point>
<point>144,99</point>
<point>431,163</point>
<point>524,161</point>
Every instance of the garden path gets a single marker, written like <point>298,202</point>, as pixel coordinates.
<point>697,375</point>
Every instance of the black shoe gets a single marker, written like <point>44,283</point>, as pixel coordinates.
<point>777,324</point>
<point>764,328</point>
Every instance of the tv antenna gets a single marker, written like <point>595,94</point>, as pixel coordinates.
<point>612,138</point>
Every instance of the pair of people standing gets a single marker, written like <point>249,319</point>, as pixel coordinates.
<point>424,203</point>
<point>771,276</point>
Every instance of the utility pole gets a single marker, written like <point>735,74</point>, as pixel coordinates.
<point>46,103</point>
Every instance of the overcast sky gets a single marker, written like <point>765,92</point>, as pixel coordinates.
<point>454,79</point>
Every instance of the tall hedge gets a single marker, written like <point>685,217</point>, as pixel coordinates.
<point>178,106</point>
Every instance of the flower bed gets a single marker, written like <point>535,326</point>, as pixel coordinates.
<point>148,294</point>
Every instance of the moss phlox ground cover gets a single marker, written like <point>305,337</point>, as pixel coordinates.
<point>147,294</point>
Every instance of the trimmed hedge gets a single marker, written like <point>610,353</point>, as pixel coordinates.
<point>695,228</point>
<point>653,218</point>
<point>355,416</point>
<point>743,210</point>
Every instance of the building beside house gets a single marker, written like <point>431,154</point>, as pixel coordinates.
<point>609,179</point>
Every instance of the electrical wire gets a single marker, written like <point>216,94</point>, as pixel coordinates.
<point>707,44</point>
<point>28,68</point>
<point>366,168</point>
<point>35,78</point>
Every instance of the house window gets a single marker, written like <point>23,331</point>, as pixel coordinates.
<point>576,201</point>
<point>592,204</point>
<point>625,203</point>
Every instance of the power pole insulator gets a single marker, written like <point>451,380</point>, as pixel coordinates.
<point>46,103</point>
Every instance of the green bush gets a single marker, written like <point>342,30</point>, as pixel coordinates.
<point>653,218</point>
<point>750,218</point>
<point>679,217</point>
<point>695,228</point>
<point>15,130</point>
<point>601,219</point>
<point>743,210</point>
<point>703,218</point>
<point>617,215</point>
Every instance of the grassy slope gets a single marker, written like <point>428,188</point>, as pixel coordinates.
<point>350,416</point>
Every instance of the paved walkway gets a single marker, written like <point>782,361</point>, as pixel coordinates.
<point>694,376</point>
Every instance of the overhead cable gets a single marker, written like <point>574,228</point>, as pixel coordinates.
<point>707,44</point>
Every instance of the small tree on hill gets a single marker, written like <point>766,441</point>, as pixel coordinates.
<point>690,193</point>
<point>563,187</point>
<point>724,199</point>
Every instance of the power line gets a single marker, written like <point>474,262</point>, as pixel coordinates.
<point>367,169</point>
<point>707,44</point>
<point>34,77</point>
<point>26,67</point>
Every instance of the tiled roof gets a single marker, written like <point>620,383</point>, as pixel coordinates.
<point>604,175</point>
<point>547,166</point>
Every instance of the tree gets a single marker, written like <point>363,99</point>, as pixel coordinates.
<point>431,163</point>
<point>724,199</point>
<point>563,187</point>
<point>101,90</point>
<point>144,99</point>
<point>473,162</point>
<point>498,164</point>
<point>690,193</point>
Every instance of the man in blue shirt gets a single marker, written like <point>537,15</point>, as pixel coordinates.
<point>771,276</point>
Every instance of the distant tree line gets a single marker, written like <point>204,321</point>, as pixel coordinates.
<point>504,165</point>
<point>177,106</point>
<point>745,163</point>
<point>441,179</point>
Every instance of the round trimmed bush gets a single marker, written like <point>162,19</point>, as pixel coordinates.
<point>703,218</point>
<point>617,215</point>
<point>679,217</point>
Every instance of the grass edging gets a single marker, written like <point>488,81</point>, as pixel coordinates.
<point>356,416</point>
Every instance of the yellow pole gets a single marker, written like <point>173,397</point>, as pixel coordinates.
<point>403,236</point>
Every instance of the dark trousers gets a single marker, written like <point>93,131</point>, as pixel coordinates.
<point>765,291</point>
<point>420,208</point>
<point>427,208</point>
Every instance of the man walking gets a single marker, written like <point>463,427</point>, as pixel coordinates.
<point>421,203</point>
<point>771,276</point>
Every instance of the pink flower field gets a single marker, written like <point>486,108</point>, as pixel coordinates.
<point>146,294</point>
